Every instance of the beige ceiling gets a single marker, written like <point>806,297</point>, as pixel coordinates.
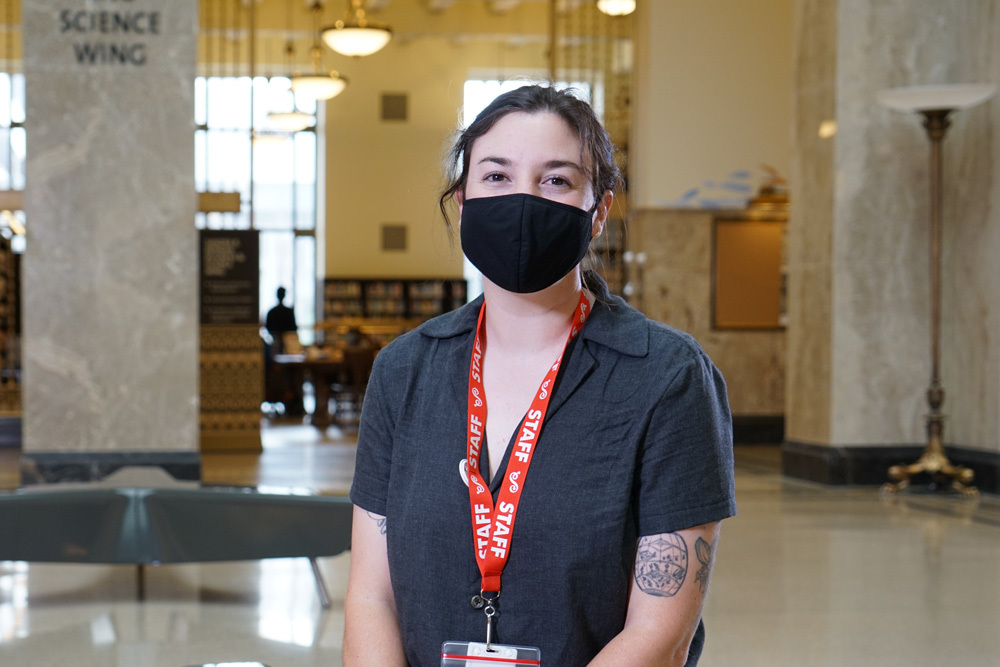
<point>510,22</point>
<point>410,19</point>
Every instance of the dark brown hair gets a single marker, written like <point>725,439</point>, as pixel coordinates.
<point>604,173</point>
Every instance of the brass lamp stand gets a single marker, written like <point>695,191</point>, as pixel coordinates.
<point>935,104</point>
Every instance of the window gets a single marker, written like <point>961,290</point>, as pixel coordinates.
<point>12,153</point>
<point>279,198</point>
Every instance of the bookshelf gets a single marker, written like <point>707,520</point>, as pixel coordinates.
<point>387,298</point>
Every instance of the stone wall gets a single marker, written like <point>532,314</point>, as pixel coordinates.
<point>677,290</point>
<point>110,273</point>
<point>859,245</point>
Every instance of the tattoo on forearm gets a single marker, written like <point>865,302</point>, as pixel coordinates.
<point>661,564</point>
<point>706,554</point>
<point>380,520</point>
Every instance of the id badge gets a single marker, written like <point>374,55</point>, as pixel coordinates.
<point>475,654</point>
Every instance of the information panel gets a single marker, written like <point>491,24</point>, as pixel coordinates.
<point>229,276</point>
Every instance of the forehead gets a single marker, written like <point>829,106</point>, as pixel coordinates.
<point>529,136</point>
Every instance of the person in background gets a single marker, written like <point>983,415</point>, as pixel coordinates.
<point>282,387</point>
<point>543,470</point>
<point>279,321</point>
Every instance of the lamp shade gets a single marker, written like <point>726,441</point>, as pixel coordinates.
<point>319,86</point>
<point>356,40</point>
<point>926,98</point>
<point>616,7</point>
<point>290,121</point>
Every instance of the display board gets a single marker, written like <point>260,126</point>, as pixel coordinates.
<point>747,274</point>
<point>229,276</point>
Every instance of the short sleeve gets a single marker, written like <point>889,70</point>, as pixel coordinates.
<point>373,462</point>
<point>685,475</point>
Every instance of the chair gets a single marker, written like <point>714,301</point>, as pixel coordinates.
<point>348,390</point>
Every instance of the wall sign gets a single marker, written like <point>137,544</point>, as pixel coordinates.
<point>229,277</point>
<point>110,32</point>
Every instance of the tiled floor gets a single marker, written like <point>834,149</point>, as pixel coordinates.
<point>295,456</point>
<point>805,575</point>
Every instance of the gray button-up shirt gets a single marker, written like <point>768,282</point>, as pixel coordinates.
<point>637,441</point>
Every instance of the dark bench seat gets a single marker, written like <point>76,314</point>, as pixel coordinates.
<point>152,526</point>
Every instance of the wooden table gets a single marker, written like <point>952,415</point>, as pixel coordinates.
<point>347,368</point>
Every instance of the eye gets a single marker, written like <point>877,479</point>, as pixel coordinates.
<point>495,177</point>
<point>558,181</point>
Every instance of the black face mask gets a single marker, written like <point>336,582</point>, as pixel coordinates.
<point>524,243</point>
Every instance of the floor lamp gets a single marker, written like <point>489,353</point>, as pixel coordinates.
<point>935,104</point>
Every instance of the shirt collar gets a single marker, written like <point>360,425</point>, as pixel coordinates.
<point>612,323</point>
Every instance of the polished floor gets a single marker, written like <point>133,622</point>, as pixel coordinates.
<point>805,576</point>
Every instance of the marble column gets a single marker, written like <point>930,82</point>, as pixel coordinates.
<point>859,289</point>
<point>110,270</point>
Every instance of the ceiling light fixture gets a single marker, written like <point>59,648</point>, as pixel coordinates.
<point>291,121</point>
<point>355,35</point>
<point>318,85</point>
<point>294,120</point>
<point>616,7</point>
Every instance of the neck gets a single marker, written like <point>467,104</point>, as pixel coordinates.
<point>531,322</point>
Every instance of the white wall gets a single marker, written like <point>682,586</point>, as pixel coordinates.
<point>390,171</point>
<point>713,97</point>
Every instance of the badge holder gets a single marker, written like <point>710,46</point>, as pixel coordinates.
<point>474,654</point>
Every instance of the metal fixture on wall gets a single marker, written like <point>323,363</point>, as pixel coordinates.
<point>355,35</point>
<point>634,282</point>
<point>318,85</point>
<point>935,104</point>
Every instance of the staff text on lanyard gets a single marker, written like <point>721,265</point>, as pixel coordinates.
<point>492,527</point>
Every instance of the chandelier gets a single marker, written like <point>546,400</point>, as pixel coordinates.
<point>355,35</point>
<point>318,85</point>
<point>616,7</point>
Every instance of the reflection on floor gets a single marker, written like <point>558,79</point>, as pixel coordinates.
<point>295,456</point>
<point>806,575</point>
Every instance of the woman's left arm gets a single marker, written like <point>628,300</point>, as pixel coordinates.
<point>666,596</point>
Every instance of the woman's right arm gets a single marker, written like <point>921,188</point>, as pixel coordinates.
<point>371,634</point>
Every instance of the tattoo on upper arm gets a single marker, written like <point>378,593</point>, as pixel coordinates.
<point>706,554</point>
<point>379,520</point>
<point>661,564</point>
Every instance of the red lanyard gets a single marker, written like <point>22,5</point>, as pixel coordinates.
<point>492,529</point>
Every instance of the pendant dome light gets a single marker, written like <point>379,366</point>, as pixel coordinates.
<point>616,7</point>
<point>355,35</point>
<point>318,85</point>
<point>291,121</point>
<point>294,120</point>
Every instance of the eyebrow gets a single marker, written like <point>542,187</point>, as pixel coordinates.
<point>551,164</point>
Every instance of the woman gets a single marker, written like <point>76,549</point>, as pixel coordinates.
<point>602,554</point>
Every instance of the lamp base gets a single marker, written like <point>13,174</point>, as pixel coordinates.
<point>934,462</point>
